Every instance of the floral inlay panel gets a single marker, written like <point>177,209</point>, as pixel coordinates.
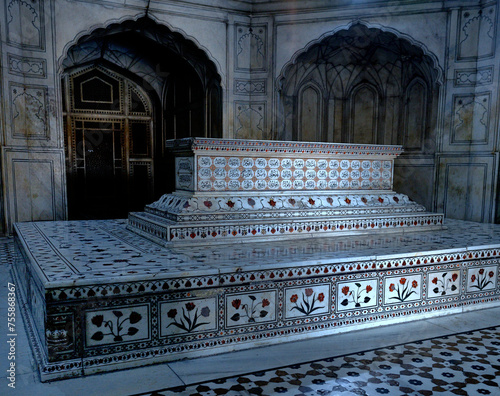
<point>121,324</point>
<point>354,295</point>
<point>443,283</point>
<point>250,308</point>
<point>479,279</point>
<point>307,301</point>
<point>188,316</point>
<point>403,288</point>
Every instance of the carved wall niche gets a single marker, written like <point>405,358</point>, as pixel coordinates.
<point>471,118</point>
<point>476,33</point>
<point>29,112</point>
<point>310,104</point>
<point>364,114</point>
<point>25,24</point>
<point>250,120</point>
<point>251,48</point>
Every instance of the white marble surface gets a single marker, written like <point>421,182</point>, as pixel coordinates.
<point>85,252</point>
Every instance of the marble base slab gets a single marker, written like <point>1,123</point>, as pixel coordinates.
<point>99,297</point>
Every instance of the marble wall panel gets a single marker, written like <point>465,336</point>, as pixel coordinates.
<point>118,325</point>
<point>250,87</point>
<point>251,48</point>
<point>188,316</point>
<point>359,294</point>
<point>28,112</point>
<point>476,33</point>
<point>466,186</point>
<point>471,120</point>
<point>482,278</point>
<point>402,289</point>
<point>25,23</point>
<point>34,183</point>
<point>473,77</point>
<point>250,120</point>
<point>307,301</point>
<point>250,308</point>
<point>443,283</point>
<point>415,178</point>
<point>26,66</point>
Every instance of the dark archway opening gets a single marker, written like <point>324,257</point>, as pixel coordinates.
<point>127,89</point>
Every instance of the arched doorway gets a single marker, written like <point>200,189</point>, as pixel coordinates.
<point>127,88</point>
<point>109,143</point>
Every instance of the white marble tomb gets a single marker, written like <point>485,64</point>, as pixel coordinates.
<point>249,190</point>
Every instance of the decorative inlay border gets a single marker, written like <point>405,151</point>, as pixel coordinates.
<point>473,77</point>
<point>256,146</point>
<point>27,67</point>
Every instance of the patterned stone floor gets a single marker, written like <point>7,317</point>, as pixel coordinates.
<point>462,364</point>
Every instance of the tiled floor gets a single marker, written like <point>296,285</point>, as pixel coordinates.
<point>446,356</point>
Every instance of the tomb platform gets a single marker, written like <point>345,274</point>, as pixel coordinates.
<point>176,281</point>
<point>98,297</point>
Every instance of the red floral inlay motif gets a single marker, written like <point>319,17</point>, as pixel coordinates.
<point>236,303</point>
<point>345,290</point>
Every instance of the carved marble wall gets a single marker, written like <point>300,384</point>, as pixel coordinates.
<point>436,92</point>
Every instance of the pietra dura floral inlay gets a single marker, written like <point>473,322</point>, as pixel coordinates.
<point>250,308</point>
<point>117,325</point>
<point>187,316</point>
<point>445,283</point>
<point>354,295</point>
<point>402,289</point>
<point>479,279</point>
<point>314,300</point>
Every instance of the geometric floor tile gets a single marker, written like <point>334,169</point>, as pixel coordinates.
<point>462,364</point>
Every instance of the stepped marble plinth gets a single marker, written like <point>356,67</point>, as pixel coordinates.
<point>247,191</point>
<point>98,297</point>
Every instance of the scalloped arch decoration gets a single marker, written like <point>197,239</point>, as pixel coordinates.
<point>288,67</point>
